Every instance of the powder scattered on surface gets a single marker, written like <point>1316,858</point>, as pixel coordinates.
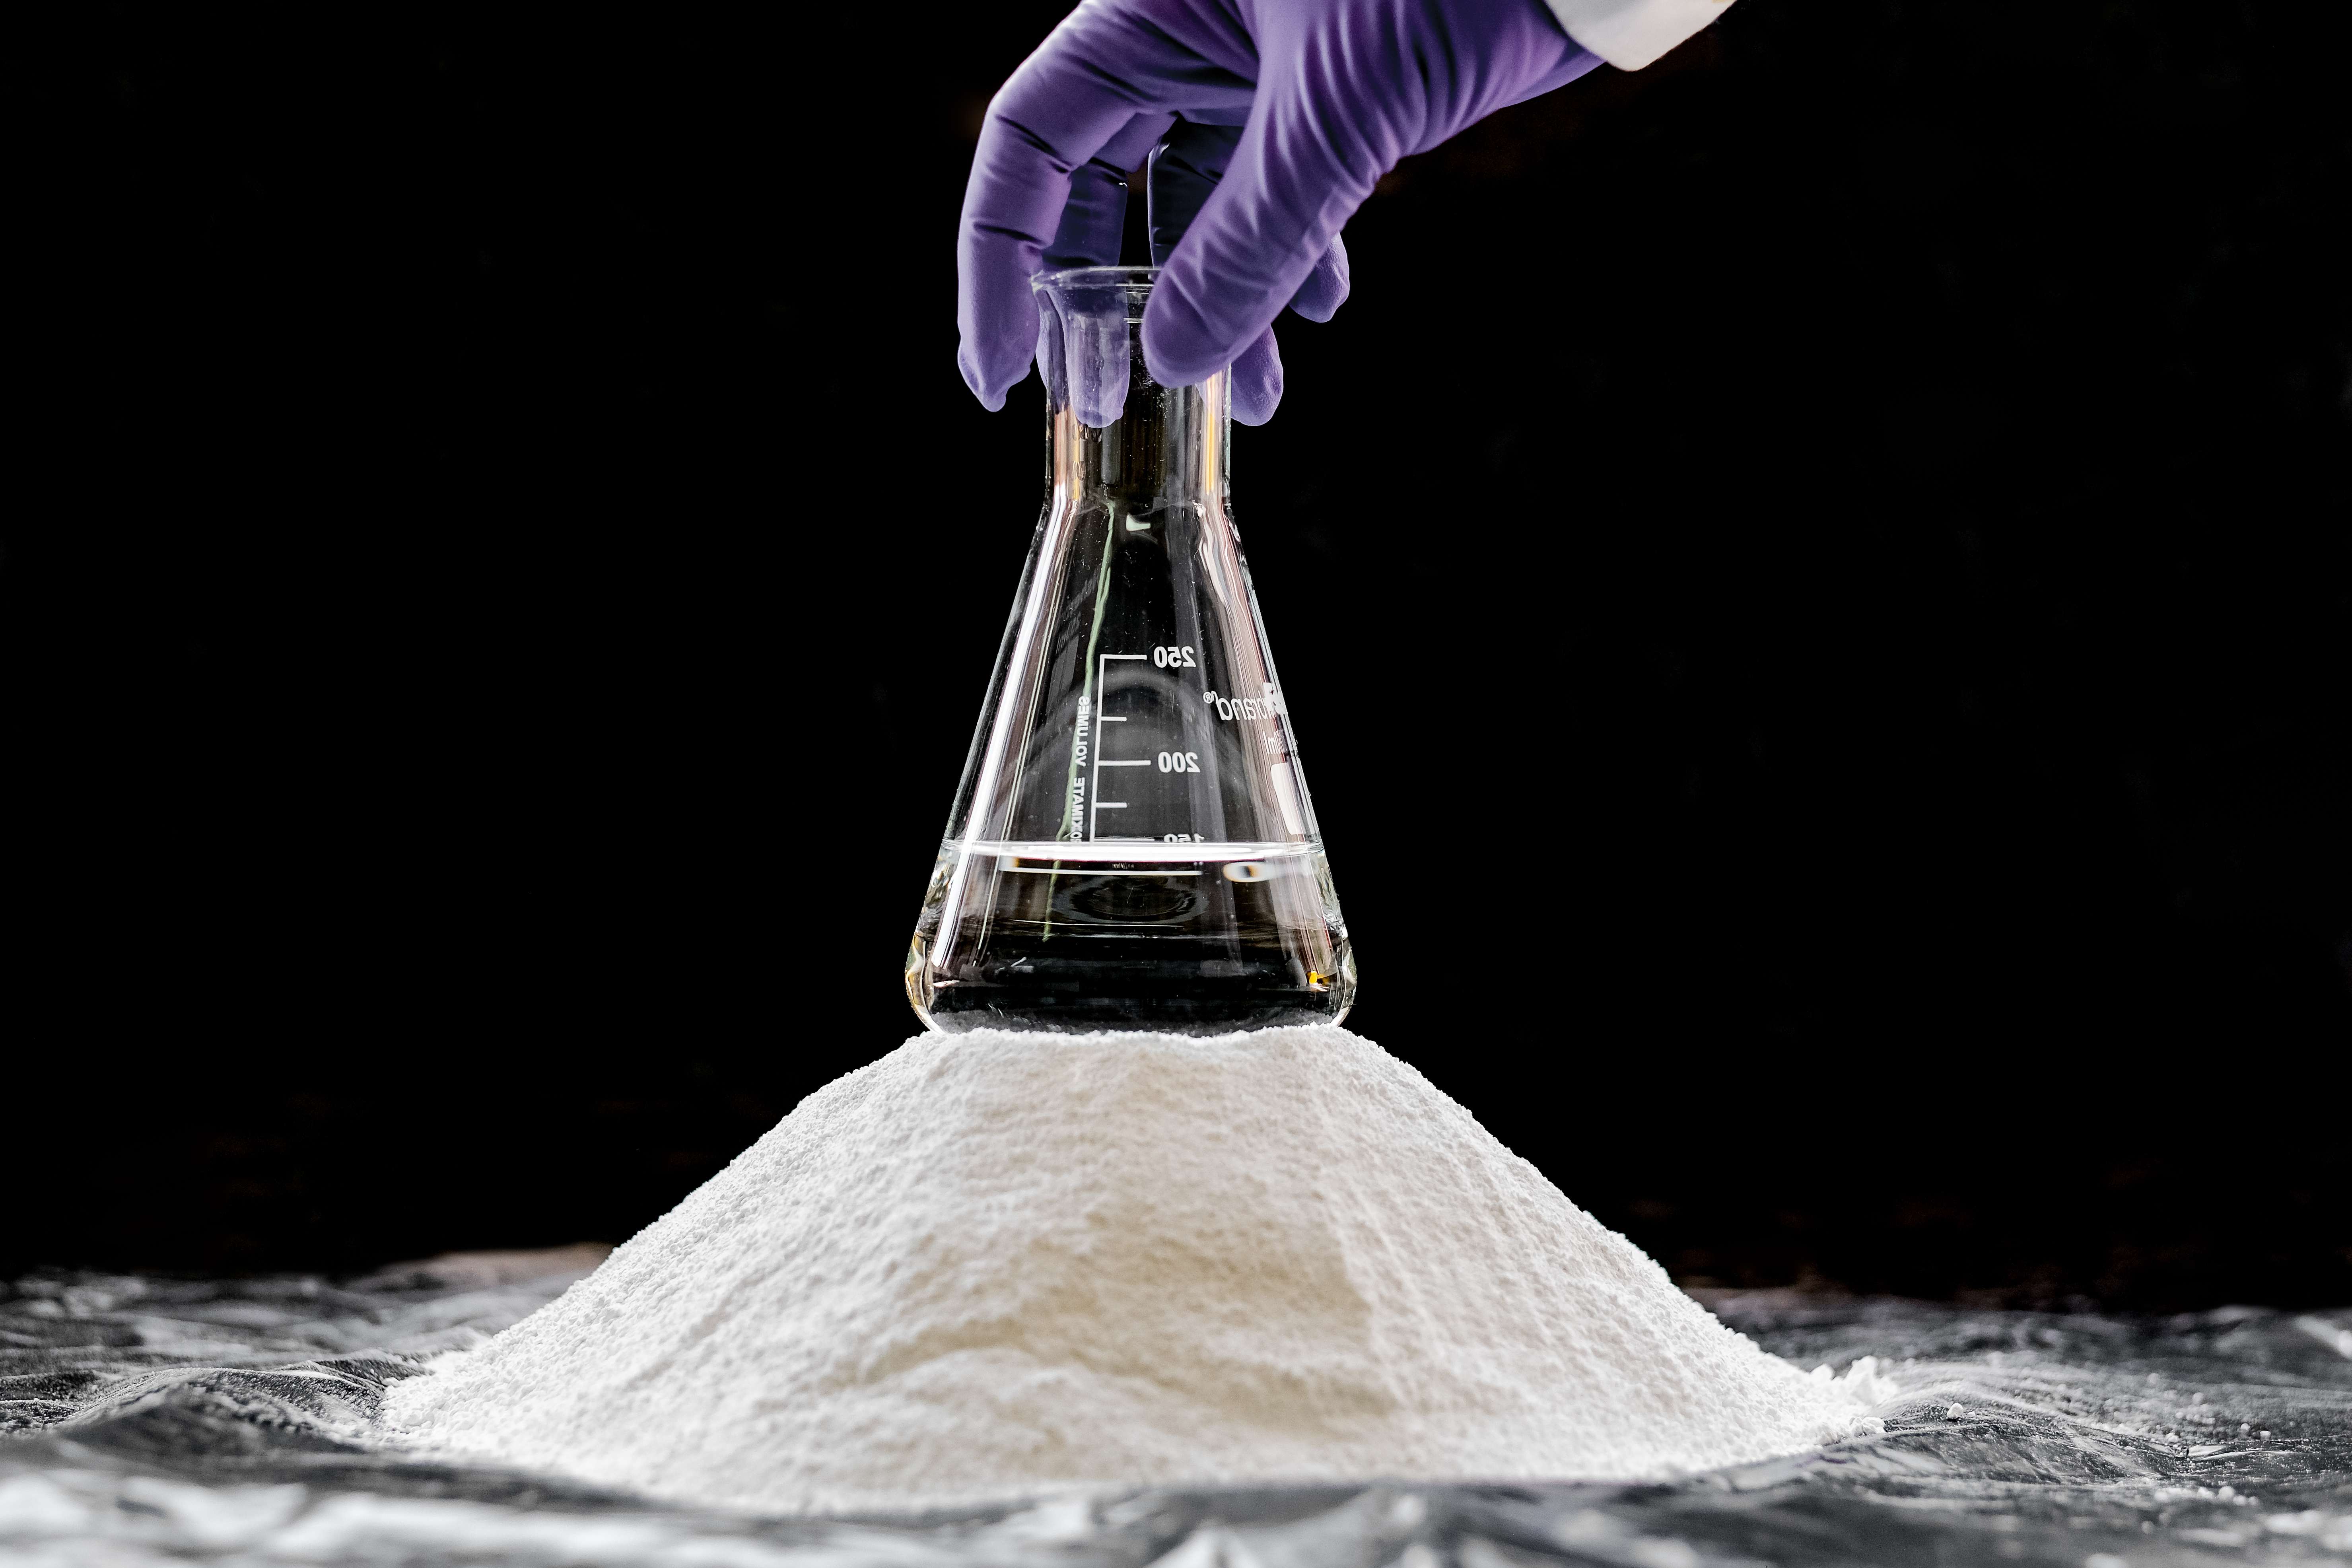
<point>996,1264</point>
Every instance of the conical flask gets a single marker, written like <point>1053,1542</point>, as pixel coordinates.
<point>1132,846</point>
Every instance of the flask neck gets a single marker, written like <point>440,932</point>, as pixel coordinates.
<point>1118,436</point>
<point>1168,444</point>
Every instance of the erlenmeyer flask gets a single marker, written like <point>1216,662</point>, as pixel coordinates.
<point>1132,846</point>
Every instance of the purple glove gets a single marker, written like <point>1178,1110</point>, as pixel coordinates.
<point>1331,93</point>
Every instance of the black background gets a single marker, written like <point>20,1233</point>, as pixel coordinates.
<point>1813,579</point>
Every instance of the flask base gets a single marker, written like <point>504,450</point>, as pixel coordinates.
<point>959,1009</point>
<point>1189,938</point>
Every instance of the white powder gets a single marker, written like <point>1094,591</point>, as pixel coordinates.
<point>998,1264</point>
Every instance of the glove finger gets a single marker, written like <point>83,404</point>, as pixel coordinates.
<point>1325,289</point>
<point>1094,224</point>
<point>1342,95</point>
<point>1047,124</point>
<point>1187,165</point>
<point>1094,221</point>
<point>1301,170</point>
<point>1257,380</point>
<point>1185,168</point>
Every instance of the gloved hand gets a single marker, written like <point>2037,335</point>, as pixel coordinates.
<point>1329,95</point>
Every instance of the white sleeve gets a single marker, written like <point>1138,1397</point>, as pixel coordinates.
<point>1630,33</point>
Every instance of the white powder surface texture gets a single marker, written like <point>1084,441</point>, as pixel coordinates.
<point>996,1264</point>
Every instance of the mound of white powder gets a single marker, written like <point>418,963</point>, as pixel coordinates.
<point>996,1264</point>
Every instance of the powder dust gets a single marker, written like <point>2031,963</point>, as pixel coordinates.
<point>996,1264</point>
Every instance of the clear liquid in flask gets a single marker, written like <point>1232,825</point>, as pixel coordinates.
<point>1132,846</point>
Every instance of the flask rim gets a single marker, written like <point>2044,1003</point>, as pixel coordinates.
<point>1094,278</point>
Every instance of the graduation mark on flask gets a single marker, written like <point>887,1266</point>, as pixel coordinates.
<point>1102,673</point>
